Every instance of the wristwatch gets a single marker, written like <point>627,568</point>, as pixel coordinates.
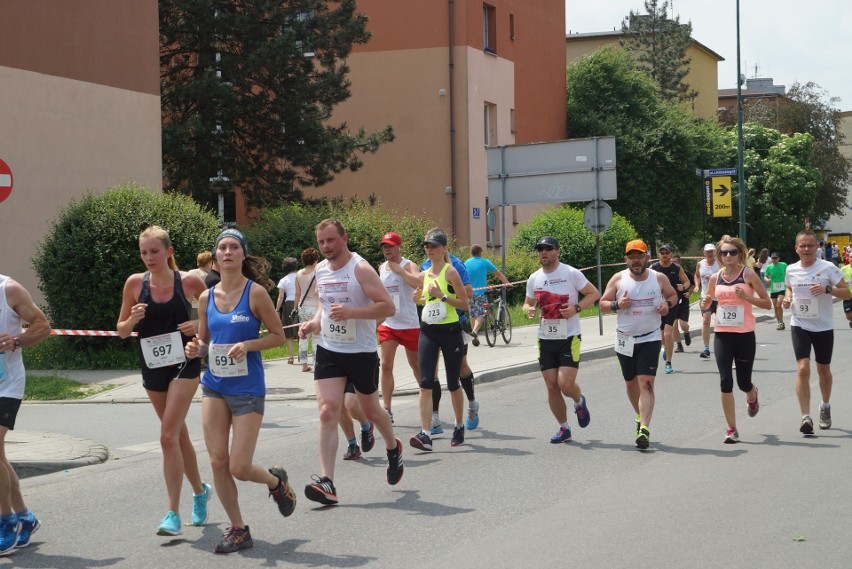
<point>16,343</point>
<point>444,298</point>
<point>828,289</point>
<point>578,308</point>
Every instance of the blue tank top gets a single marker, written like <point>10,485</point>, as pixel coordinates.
<point>229,328</point>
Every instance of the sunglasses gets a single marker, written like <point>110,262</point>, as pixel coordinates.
<point>729,252</point>
<point>545,248</point>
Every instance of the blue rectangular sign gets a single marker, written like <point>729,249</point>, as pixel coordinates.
<point>712,173</point>
<point>476,213</point>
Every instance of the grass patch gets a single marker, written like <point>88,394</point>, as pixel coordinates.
<point>57,388</point>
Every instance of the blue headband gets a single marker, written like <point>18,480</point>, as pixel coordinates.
<point>233,233</point>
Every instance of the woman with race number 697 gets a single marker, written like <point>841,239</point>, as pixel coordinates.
<point>156,302</point>
<point>737,289</point>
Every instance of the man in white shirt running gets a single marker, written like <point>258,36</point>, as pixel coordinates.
<point>811,284</point>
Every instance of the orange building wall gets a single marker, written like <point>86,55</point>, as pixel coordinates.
<point>401,77</point>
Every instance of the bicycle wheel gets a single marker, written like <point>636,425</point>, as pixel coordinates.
<point>491,327</point>
<point>505,324</point>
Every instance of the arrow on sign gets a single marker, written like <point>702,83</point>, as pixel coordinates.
<point>721,190</point>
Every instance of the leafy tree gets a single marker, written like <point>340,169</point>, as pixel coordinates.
<point>248,88</point>
<point>658,145</point>
<point>781,184</point>
<point>808,108</point>
<point>659,44</point>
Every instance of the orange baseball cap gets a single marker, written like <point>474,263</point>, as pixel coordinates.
<point>636,245</point>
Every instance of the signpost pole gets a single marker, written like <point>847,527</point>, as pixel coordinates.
<point>598,231</point>
<point>503,215</point>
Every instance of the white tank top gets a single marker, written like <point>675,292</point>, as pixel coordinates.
<point>641,320</point>
<point>402,295</point>
<point>12,384</point>
<point>341,287</point>
<point>705,272</point>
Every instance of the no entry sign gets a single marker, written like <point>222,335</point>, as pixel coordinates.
<point>5,180</point>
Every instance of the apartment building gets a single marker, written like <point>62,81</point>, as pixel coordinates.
<point>452,78</point>
<point>80,111</point>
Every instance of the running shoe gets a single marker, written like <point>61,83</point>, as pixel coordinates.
<point>234,539</point>
<point>472,420</point>
<point>283,494</point>
<point>753,406</point>
<point>638,423</point>
<point>705,354</point>
<point>322,491</point>
<point>731,436</point>
<point>669,368</point>
<point>780,326</point>
<point>458,437</point>
<point>643,438</point>
<point>437,429</point>
<point>367,439</point>
<point>353,452</point>
<point>686,339</point>
<point>395,465</point>
<point>10,528</point>
<point>475,340</point>
<point>199,505</point>
<point>825,418</point>
<point>562,435</point>
<point>582,411</point>
<point>421,441</point>
<point>807,427</point>
<point>170,525</point>
<point>29,525</point>
<point>679,348</point>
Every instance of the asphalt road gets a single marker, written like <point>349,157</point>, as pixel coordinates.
<point>507,498</point>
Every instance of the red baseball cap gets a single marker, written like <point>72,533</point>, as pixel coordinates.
<point>391,239</point>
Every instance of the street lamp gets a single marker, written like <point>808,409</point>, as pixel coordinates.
<point>740,173</point>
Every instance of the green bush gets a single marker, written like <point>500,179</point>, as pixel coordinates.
<point>93,246</point>
<point>287,230</point>
<point>576,243</point>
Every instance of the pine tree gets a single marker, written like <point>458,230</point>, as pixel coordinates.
<point>659,45</point>
<point>248,88</point>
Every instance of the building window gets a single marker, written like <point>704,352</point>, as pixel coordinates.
<point>512,27</point>
<point>512,121</point>
<point>490,122</point>
<point>489,28</point>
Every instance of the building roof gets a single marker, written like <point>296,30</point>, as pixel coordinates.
<point>725,93</point>
<point>618,34</point>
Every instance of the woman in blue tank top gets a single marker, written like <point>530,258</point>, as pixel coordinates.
<point>233,387</point>
<point>157,302</point>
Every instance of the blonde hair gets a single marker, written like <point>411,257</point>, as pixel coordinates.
<point>157,232</point>
<point>736,242</point>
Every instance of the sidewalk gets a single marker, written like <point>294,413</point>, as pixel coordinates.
<point>40,453</point>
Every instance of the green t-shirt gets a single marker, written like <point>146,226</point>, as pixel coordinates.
<point>775,272</point>
<point>847,272</point>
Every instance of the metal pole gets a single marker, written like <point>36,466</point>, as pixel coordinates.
<point>503,177</point>
<point>740,173</point>
<point>598,231</point>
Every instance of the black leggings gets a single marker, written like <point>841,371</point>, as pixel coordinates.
<point>739,347</point>
<point>448,339</point>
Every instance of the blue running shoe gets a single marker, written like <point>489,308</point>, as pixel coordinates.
<point>437,429</point>
<point>561,436</point>
<point>29,525</point>
<point>199,505</point>
<point>582,411</point>
<point>170,525</point>
<point>9,530</point>
<point>472,420</point>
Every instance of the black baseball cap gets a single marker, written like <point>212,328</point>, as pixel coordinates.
<point>775,255</point>
<point>665,247</point>
<point>436,237</point>
<point>547,241</point>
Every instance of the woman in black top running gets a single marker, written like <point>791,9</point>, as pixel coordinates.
<point>156,300</point>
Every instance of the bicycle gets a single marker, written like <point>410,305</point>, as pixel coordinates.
<point>497,319</point>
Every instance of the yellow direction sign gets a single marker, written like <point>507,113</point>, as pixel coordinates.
<point>722,196</point>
